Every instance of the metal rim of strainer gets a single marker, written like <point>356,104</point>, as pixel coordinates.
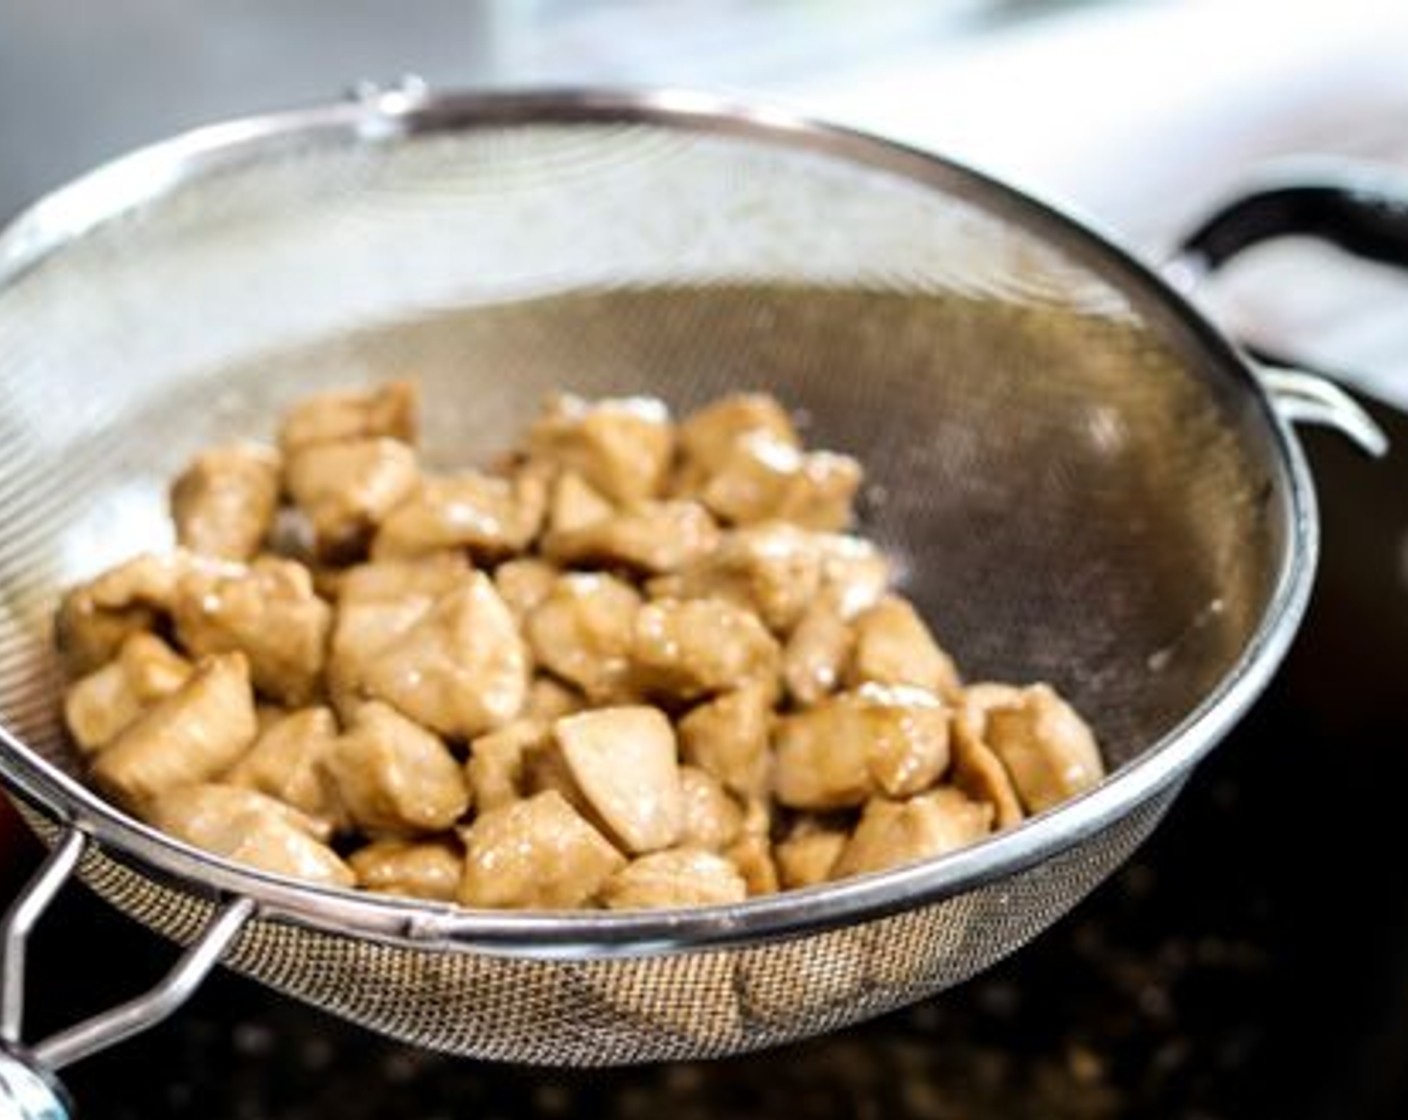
<point>374,115</point>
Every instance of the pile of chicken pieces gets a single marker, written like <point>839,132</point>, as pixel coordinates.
<point>633,664</point>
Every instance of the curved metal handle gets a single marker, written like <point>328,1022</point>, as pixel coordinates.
<point>27,1088</point>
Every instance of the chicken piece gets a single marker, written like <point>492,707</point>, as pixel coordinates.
<point>622,448</point>
<point>96,617</point>
<point>816,654</point>
<point>147,580</point>
<point>524,583</point>
<point>709,436</point>
<point>855,745</point>
<point>461,668</point>
<point>190,736</point>
<point>686,649</point>
<point>765,480</point>
<point>491,517</point>
<point>223,504</point>
<point>1049,751</point>
<point>891,833</point>
<point>893,646</point>
<point>535,854</point>
<point>392,775</point>
<point>269,612</point>
<point>550,700</point>
<point>624,762</point>
<point>773,569</point>
<point>977,770</point>
<point>379,602</point>
<point>288,762</point>
<point>497,766</point>
<point>728,738</point>
<point>575,504</point>
<point>387,410</point>
<point>101,705</point>
<point>649,537</point>
<point>854,573</point>
<point>751,855</point>
<point>712,819</point>
<point>250,828</point>
<point>428,869</point>
<point>809,853</point>
<point>583,632</point>
<point>348,488</point>
<point>679,877</point>
<point>88,636</point>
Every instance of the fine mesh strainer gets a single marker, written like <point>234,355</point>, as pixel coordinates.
<point>1081,480</point>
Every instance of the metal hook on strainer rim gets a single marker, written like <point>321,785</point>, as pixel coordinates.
<point>605,988</point>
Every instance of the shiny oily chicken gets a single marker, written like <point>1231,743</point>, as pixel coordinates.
<point>635,663</point>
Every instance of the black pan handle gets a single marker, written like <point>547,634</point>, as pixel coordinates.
<point>1363,210</point>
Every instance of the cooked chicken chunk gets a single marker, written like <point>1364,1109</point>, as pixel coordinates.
<point>348,488</point>
<point>392,775</point>
<point>191,736</point>
<point>690,648</point>
<point>460,669</point>
<point>680,877</point>
<point>728,738</point>
<point>496,769</point>
<point>712,819</point>
<point>977,770</point>
<point>854,573</point>
<point>891,833</point>
<point>96,617</point>
<point>410,868</point>
<point>491,517</point>
<point>649,537</point>
<point>584,630</point>
<point>387,410</point>
<point>816,653</point>
<point>709,436</point>
<point>575,504</point>
<point>893,646</point>
<point>765,480</point>
<point>250,828</point>
<point>809,853</point>
<point>524,583</point>
<point>773,569</point>
<point>104,703</point>
<point>624,762</point>
<point>1043,744</point>
<point>751,856</point>
<point>622,448</point>
<point>847,749</point>
<point>288,762</point>
<point>223,504</point>
<point>267,611</point>
<point>549,700</point>
<point>535,854</point>
<point>379,602</point>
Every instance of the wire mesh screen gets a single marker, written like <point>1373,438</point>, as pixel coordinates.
<point>1069,494</point>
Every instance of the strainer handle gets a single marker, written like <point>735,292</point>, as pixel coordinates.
<point>28,1088</point>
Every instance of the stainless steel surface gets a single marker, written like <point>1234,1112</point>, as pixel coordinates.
<point>19,922</point>
<point>505,246</point>
<point>147,1010</point>
<point>1306,398</point>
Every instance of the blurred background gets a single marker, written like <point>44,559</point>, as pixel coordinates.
<point>1252,961</point>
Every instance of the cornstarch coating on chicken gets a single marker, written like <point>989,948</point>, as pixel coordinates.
<point>629,663</point>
